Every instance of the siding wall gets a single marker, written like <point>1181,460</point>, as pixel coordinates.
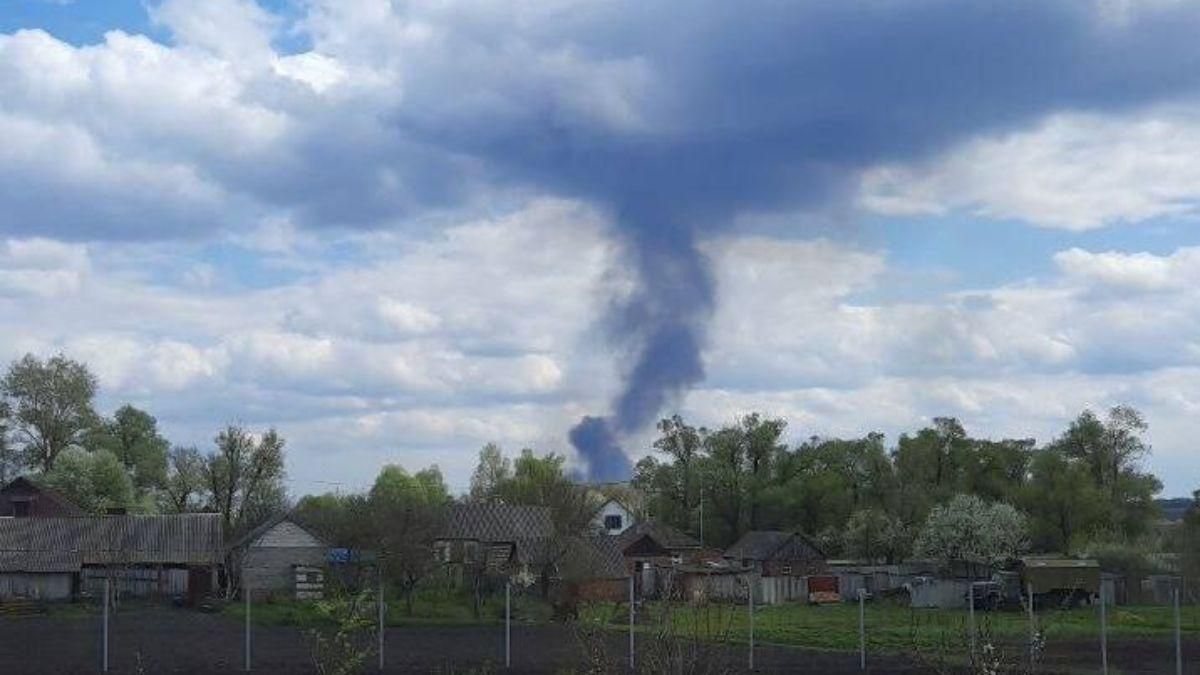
<point>50,586</point>
<point>268,566</point>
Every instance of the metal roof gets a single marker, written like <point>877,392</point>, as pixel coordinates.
<point>497,522</point>
<point>763,544</point>
<point>664,535</point>
<point>66,543</point>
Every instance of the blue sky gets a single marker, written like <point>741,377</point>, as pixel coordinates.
<point>399,230</point>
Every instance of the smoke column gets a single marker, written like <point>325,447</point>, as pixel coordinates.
<point>661,328</point>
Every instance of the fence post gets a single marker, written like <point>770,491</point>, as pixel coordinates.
<point>632,662</point>
<point>1032,630</point>
<point>246,592</point>
<point>1178,637</point>
<point>508,624</point>
<point>751,595</point>
<point>381,609</point>
<point>104,657</point>
<point>862,628</point>
<point>1103,632</point>
<point>971,615</point>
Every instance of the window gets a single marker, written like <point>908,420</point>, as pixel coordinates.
<point>612,522</point>
<point>22,508</point>
<point>677,559</point>
<point>787,570</point>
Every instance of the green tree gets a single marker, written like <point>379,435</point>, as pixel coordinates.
<point>184,487</point>
<point>132,435</point>
<point>93,481</point>
<point>245,477</point>
<point>873,535</point>
<point>10,459</point>
<point>51,406</point>
<point>1188,544</point>
<point>492,470</point>
<point>1063,504</point>
<point>1110,453</point>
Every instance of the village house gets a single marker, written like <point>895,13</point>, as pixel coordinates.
<point>495,537</point>
<point>22,498</point>
<point>612,518</point>
<point>282,558</point>
<point>773,553</point>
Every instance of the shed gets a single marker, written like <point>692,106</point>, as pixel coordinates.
<point>60,557</point>
<point>1061,579</point>
<point>282,557</point>
<point>774,553</point>
<point>22,498</point>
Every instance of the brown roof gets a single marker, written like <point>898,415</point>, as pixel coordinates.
<point>664,535</point>
<point>65,544</point>
<point>49,502</point>
<point>763,544</point>
<point>497,522</point>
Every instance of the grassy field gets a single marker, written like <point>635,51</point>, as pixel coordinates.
<point>892,629</point>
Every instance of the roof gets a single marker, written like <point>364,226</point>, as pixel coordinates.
<point>64,544</point>
<point>762,544</point>
<point>289,516</point>
<point>605,559</point>
<point>664,535</point>
<point>497,522</point>
<point>1058,563</point>
<point>66,506</point>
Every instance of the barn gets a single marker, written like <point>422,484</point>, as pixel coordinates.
<point>772,553</point>
<point>282,558</point>
<point>62,558</point>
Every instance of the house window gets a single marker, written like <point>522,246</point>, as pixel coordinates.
<point>787,570</point>
<point>23,508</point>
<point>677,559</point>
<point>441,551</point>
<point>612,522</point>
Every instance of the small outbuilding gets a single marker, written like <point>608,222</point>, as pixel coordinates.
<point>282,558</point>
<point>774,553</point>
<point>22,498</point>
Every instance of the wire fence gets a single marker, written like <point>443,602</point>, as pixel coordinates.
<point>521,628</point>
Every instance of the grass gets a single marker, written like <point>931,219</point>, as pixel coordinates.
<point>431,607</point>
<point>893,629</point>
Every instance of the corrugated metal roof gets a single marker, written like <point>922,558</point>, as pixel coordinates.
<point>186,539</point>
<point>664,535</point>
<point>762,544</point>
<point>497,522</point>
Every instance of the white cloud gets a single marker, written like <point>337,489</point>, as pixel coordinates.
<point>1073,171</point>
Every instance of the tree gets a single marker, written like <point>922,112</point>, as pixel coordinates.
<point>492,470</point>
<point>93,481</point>
<point>184,487</point>
<point>10,460</point>
<point>1064,506</point>
<point>51,406</point>
<point>871,534</point>
<point>969,529</point>
<point>1110,453</point>
<point>245,478</point>
<point>132,435</point>
<point>1188,543</point>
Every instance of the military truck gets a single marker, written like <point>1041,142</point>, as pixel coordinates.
<point>1060,582</point>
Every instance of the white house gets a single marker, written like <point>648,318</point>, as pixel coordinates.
<point>612,517</point>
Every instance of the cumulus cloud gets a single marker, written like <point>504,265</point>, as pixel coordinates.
<point>1076,171</point>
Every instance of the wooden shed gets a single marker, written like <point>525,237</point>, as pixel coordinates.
<point>282,558</point>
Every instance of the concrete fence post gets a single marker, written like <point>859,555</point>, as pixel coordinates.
<point>382,610</point>
<point>632,661</point>
<point>246,593</point>
<point>508,624</point>
<point>862,628</point>
<point>1178,637</point>
<point>104,648</point>
<point>971,617</point>
<point>751,605</point>
<point>1032,631</point>
<point>1103,632</point>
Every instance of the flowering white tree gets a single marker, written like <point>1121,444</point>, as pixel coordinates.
<point>969,529</point>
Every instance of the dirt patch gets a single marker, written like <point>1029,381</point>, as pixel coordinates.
<point>183,641</point>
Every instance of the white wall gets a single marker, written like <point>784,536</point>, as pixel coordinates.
<point>613,508</point>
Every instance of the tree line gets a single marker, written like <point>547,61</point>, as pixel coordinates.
<point>51,432</point>
<point>861,499</point>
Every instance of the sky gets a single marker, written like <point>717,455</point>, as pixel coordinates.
<point>396,231</point>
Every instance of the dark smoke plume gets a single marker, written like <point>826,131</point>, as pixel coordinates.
<point>662,329</point>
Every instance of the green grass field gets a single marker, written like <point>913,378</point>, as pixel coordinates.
<point>892,629</point>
